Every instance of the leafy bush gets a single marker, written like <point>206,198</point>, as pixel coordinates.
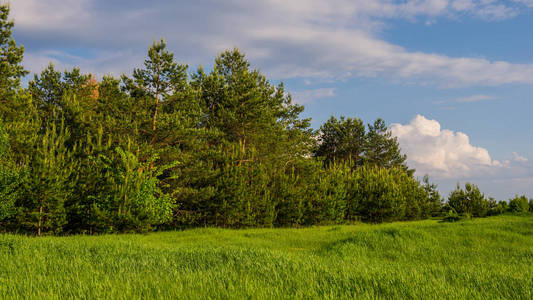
<point>380,194</point>
<point>469,201</point>
<point>497,208</point>
<point>519,204</point>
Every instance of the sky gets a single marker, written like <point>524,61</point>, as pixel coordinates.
<point>452,78</point>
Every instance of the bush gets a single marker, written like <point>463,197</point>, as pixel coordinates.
<point>498,208</point>
<point>519,204</point>
<point>380,195</point>
<point>469,201</point>
<point>451,216</point>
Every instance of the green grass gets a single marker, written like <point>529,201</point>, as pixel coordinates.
<point>484,258</point>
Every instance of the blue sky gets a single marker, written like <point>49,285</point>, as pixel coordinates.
<point>454,78</point>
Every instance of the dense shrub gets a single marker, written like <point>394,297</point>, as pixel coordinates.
<point>519,204</point>
<point>497,208</point>
<point>469,201</point>
<point>11,179</point>
<point>452,216</point>
<point>379,194</point>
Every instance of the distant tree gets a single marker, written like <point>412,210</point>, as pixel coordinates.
<point>382,149</point>
<point>469,201</point>
<point>11,56</point>
<point>341,140</point>
<point>434,200</point>
<point>519,204</point>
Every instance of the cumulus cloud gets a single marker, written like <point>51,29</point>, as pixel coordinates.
<point>449,155</point>
<point>299,38</point>
<point>441,152</point>
<point>517,157</point>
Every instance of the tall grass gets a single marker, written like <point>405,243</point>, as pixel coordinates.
<point>484,258</point>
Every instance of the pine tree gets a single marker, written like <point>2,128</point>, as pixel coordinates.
<point>50,181</point>
<point>382,149</point>
<point>161,77</point>
<point>252,113</point>
<point>11,56</point>
<point>341,140</point>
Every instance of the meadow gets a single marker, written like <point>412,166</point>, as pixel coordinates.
<point>482,258</point>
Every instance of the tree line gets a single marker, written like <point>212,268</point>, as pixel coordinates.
<point>169,148</point>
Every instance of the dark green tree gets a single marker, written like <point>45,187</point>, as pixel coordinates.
<point>50,88</point>
<point>519,204</point>
<point>161,77</point>
<point>382,149</point>
<point>242,104</point>
<point>434,200</point>
<point>341,140</point>
<point>11,178</point>
<point>51,179</point>
<point>469,201</point>
<point>11,55</point>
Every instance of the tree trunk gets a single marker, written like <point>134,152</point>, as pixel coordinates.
<point>243,150</point>
<point>154,121</point>
<point>40,219</point>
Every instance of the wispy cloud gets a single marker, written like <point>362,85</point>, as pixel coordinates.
<point>308,96</point>
<point>300,38</point>
<point>474,98</point>
<point>467,99</point>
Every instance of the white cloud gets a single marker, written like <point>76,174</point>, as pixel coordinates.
<point>519,158</point>
<point>51,14</point>
<point>308,96</point>
<point>439,152</point>
<point>448,155</point>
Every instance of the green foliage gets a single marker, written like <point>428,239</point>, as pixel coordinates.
<point>381,194</point>
<point>381,148</point>
<point>49,89</point>
<point>497,207</point>
<point>11,56</point>
<point>452,216</point>
<point>469,201</point>
<point>519,204</point>
<point>346,140</point>
<point>51,178</point>
<point>341,140</point>
<point>434,200</point>
<point>11,178</point>
<point>136,201</point>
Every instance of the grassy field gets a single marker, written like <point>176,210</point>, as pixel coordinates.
<point>484,258</point>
